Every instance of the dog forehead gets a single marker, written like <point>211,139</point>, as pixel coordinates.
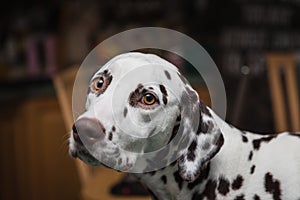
<point>132,70</point>
<point>145,64</point>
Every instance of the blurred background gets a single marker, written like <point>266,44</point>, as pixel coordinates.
<point>41,39</point>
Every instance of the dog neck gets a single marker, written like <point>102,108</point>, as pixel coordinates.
<point>167,183</point>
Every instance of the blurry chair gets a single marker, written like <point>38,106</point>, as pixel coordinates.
<point>95,181</point>
<point>63,83</point>
<point>281,69</point>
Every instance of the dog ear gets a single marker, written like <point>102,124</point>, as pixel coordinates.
<point>201,137</point>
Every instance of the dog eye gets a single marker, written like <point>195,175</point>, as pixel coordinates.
<point>148,99</point>
<point>98,84</point>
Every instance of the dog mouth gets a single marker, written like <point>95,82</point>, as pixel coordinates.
<point>85,156</point>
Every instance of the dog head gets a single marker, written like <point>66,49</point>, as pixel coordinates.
<point>138,104</point>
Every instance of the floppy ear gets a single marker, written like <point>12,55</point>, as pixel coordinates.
<point>202,138</point>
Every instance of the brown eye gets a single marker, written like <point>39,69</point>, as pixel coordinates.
<point>98,83</point>
<point>148,99</point>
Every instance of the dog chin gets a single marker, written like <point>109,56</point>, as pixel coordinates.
<point>84,156</point>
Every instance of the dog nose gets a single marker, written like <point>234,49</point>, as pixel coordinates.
<point>87,130</point>
<point>75,135</point>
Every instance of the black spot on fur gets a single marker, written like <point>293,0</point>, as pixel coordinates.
<point>104,73</point>
<point>188,100</point>
<point>256,143</point>
<point>165,94</point>
<point>146,118</point>
<point>167,74</point>
<point>113,128</point>
<point>140,86</point>
<point>110,136</point>
<point>210,190</point>
<point>200,124</point>
<point>125,112</point>
<point>163,90</point>
<point>144,91</point>
<point>164,179</point>
<point>240,197</point>
<point>245,139</point>
<point>191,151</point>
<point>178,119</point>
<point>252,169</point>
<point>237,182</point>
<point>256,197</point>
<point>219,141</point>
<point>295,135</point>
<point>206,127</point>
<point>178,179</point>
<point>250,155</point>
<point>120,161</point>
<point>197,196</point>
<point>204,173</point>
<point>272,186</point>
<point>224,185</point>
<point>165,100</point>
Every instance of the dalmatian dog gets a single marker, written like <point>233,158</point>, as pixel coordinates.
<point>139,105</point>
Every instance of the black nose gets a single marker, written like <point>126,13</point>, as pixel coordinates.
<point>86,130</point>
